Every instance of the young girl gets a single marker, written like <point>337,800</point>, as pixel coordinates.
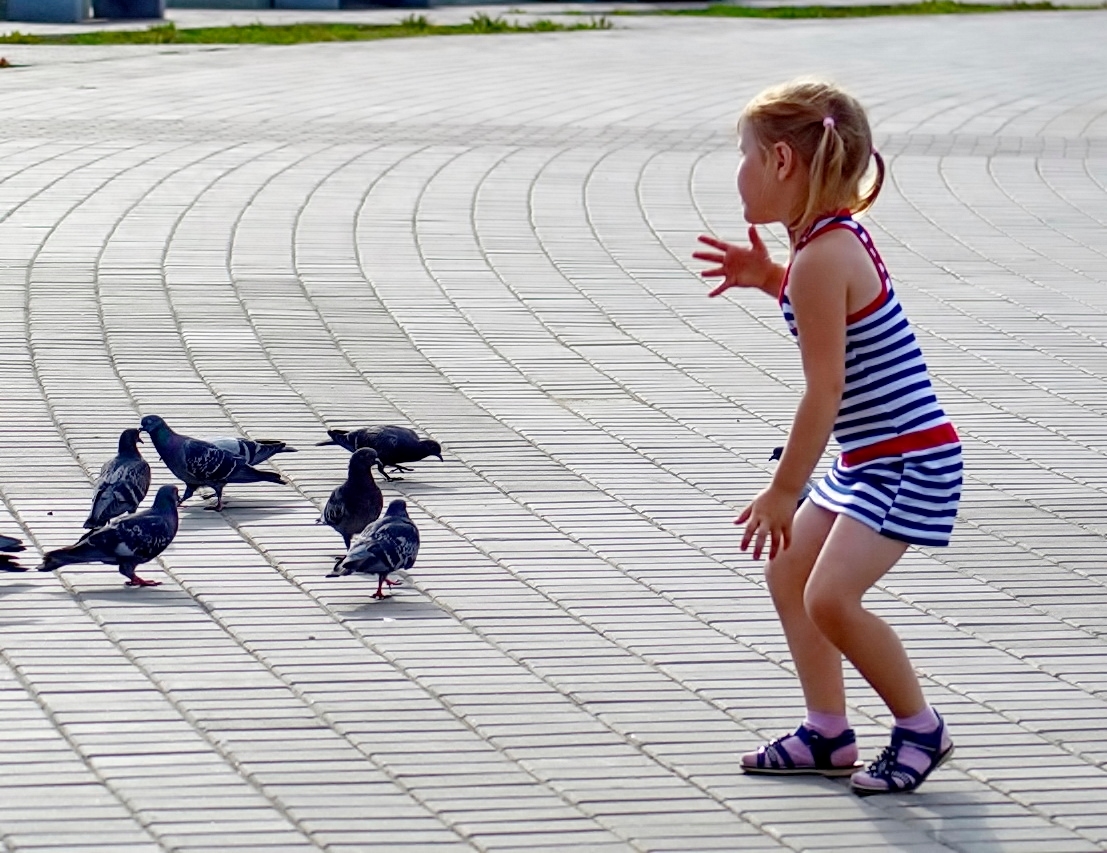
<point>806,147</point>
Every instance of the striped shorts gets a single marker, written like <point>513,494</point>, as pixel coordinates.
<point>912,497</point>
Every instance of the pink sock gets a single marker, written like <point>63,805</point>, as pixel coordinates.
<point>828,725</point>
<point>924,722</point>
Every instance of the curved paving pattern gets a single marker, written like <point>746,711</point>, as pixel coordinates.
<point>489,238</point>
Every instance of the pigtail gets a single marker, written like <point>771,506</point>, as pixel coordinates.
<point>878,182</point>
<point>827,171</point>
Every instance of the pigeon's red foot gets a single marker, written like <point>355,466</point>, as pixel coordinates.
<point>142,582</point>
<point>393,583</point>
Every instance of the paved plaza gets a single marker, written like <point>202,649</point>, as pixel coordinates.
<point>489,239</point>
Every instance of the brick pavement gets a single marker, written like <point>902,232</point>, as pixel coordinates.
<point>489,238</point>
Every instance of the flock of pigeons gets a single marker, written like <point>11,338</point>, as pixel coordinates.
<point>118,534</point>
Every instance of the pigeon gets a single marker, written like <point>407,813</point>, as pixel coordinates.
<point>126,542</point>
<point>388,545</point>
<point>200,463</point>
<point>9,547</point>
<point>394,445</point>
<point>253,451</point>
<point>123,482</point>
<point>776,454</point>
<point>357,503</point>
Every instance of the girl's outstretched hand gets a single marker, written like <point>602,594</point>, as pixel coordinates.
<point>738,266</point>
<point>768,516</point>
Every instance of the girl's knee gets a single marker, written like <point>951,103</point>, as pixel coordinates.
<point>828,609</point>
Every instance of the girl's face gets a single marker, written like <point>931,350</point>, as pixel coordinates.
<point>755,178</point>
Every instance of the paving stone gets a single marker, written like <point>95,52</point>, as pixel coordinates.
<point>489,238</point>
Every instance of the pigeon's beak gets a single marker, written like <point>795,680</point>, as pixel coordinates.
<point>138,437</point>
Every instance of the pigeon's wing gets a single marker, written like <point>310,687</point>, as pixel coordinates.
<point>335,510</point>
<point>363,555</point>
<point>358,438</point>
<point>266,448</point>
<point>397,543</point>
<point>407,538</point>
<point>141,537</point>
<point>120,489</point>
<point>237,446</point>
<point>208,463</point>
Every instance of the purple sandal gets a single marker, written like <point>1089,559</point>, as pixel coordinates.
<point>889,775</point>
<point>773,758</point>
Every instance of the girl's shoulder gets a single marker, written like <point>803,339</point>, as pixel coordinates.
<point>835,262</point>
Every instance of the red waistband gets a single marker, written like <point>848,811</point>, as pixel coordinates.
<point>924,439</point>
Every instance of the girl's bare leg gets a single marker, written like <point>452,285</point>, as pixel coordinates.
<point>852,559</point>
<point>818,662</point>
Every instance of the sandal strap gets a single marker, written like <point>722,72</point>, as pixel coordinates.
<point>822,748</point>
<point>901,777</point>
<point>775,755</point>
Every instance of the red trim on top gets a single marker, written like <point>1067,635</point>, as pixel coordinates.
<point>872,307</point>
<point>808,236</point>
<point>923,439</point>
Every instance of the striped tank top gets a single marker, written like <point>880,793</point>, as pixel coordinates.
<point>888,405</point>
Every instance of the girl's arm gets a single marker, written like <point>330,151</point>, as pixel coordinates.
<point>818,297</point>
<point>741,266</point>
<point>817,291</point>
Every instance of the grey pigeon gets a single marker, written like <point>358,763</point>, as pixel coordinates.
<point>254,451</point>
<point>200,463</point>
<point>357,503</point>
<point>123,482</point>
<point>394,445</point>
<point>776,454</point>
<point>126,542</point>
<point>9,546</point>
<point>389,545</point>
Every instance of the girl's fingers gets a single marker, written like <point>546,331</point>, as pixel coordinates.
<point>755,238</point>
<point>712,241</point>
<point>743,515</point>
<point>759,545</point>
<point>726,285</point>
<point>710,257</point>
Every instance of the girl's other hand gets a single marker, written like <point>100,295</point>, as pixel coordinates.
<point>768,516</point>
<point>738,266</point>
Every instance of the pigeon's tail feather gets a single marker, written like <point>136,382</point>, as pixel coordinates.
<point>77,553</point>
<point>264,448</point>
<point>247,474</point>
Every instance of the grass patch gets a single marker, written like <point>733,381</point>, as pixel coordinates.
<point>926,7</point>
<point>412,25</point>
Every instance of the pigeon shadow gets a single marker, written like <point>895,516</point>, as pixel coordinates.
<point>16,588</point>
<point>141,595</point>
<point>415,486</point>
<point>239,511</point>
<point>395,607</point>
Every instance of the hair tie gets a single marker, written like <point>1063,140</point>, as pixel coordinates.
<point>829,122</point>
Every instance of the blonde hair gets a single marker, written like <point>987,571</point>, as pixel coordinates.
<point>829,132</point>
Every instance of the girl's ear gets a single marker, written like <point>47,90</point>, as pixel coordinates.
<point>783,160</point>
